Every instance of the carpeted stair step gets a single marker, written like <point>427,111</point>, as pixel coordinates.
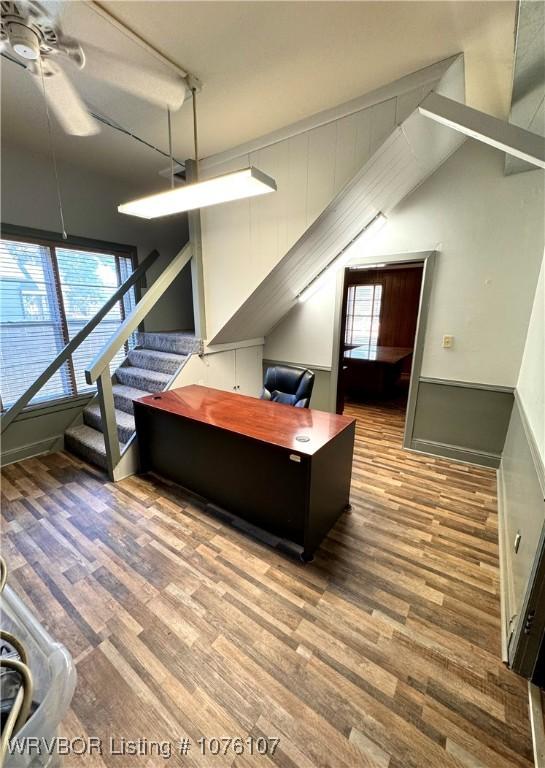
<point>123,397</point>
<point>124,421</point>
<point>179,342</point>
<point>141,378</point>
<point>147,369</point>
<point>88,444</point>
<point>153,360</point>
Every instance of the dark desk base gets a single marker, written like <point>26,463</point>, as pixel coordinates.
<point>297,502</point>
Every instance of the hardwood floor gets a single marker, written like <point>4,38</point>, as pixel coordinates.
<point>385,651</point>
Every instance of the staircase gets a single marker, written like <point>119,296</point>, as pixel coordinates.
<point>153,366</point>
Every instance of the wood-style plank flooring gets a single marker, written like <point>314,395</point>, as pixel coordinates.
<point>385,651</point>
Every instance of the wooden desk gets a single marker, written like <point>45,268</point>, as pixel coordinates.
<point>387,355</point>
<point>246,457</point>
<point>373,370</point>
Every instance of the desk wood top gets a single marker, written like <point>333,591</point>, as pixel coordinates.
<point>258,419</point>
<point>388,355</point>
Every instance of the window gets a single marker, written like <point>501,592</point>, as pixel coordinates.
<point>363,315</point>
<point>47,294</point>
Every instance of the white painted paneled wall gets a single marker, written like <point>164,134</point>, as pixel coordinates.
<point>238,370</point>
<point>531,381</point>
<point>488,231</point>
<point>244,240</point>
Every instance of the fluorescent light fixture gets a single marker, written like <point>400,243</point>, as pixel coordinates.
<point>343,257</point>
<point>248,182</point>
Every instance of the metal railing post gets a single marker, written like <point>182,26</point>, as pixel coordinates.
<point>107,415</point>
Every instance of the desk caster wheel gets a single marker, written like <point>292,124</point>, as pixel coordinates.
<point>348,509</point>
<point>306,558</point>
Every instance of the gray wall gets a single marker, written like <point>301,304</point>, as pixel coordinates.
<point>461,421</point>
<point>521,494</point>
<point>521,508</point>
<point>39,429</point>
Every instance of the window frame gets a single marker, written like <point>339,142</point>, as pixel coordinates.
<point>372,317</point>
<point>52,241</point>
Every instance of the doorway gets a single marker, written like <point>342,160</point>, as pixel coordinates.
<point>378,328</point>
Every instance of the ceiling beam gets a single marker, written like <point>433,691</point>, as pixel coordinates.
<point>191,80</point>
<point>498,133</point>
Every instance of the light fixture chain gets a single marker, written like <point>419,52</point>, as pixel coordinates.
<point>53,154</point>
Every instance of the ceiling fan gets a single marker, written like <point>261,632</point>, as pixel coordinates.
<point>31,31</point>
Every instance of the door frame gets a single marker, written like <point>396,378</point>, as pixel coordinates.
<point>428,260</point>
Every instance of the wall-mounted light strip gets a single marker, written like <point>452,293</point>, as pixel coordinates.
<point>343,257</point>
<point>248,182</point>
<point>367,266</point>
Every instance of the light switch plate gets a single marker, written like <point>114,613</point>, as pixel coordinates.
<point>448,342</point>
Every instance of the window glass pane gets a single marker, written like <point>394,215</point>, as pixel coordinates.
<point>30,327</point>
<point>363,315</point>
<point>88,280</point>
<point>129,297</point>
<point>40,313</point>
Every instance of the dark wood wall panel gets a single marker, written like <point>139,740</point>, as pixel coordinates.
<point>400,298</point>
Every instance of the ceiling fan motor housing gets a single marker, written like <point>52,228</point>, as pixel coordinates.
<point>23,22</point>
<point>23,40</point>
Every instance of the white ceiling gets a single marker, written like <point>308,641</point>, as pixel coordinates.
<point>263,65</point>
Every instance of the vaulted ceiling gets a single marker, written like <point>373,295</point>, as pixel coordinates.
<point>263,65</point>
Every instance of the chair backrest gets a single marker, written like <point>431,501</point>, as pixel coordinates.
<point>291,386</point>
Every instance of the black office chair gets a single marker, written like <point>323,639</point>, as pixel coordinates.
<point>291,386</point>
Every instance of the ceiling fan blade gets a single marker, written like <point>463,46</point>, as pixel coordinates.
<point>162,89</point>
<point>47,11</point>
<point>67,106</point>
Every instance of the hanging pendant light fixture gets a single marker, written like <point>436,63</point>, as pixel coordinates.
<point>236,185</point>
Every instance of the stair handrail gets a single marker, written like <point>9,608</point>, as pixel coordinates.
<point>21,403</point>
<point>137,314</point>
<point>99,369</point>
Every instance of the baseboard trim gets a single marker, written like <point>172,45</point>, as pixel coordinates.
<point>28,451</point>
<point>465,455</point>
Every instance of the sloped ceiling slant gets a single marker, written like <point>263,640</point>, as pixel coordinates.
<point>415,149</point>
